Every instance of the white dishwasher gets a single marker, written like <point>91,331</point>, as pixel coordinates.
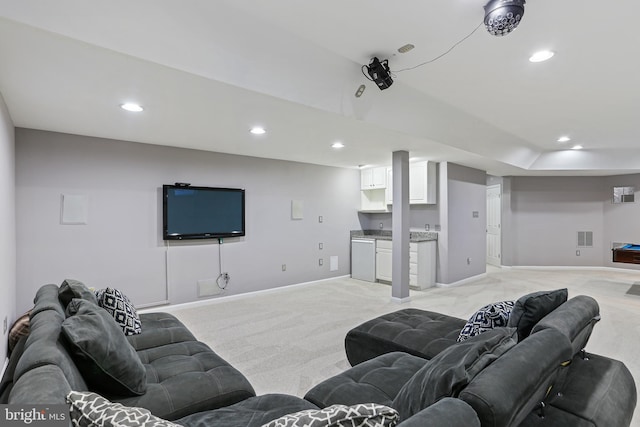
<point>363,259</point>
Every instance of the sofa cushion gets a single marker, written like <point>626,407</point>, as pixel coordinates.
<point>70,289</point>
<point>377,380</point>
<point>252,412</point>
<point>159,329</point>
<point>102,353</point>
<point>187,377</point>
<point>121,308</point>
<point>363,414</point>
<point>450,371</point>
<point>89,409</point>
<point>488,317</point>
<point>43,352</point>
<point>531,308</point>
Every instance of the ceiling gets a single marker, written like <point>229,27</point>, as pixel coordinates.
<point>207,71</point>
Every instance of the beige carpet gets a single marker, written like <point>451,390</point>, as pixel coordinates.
<point>290,339</point>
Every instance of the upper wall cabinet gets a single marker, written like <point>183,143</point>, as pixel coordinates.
<point>422,184</point>
<point>373,178</point>
<point>373,182</point>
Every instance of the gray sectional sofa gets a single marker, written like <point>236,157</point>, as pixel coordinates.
<point>495,379</point>
<point>534,373</point>
<point>183,375</point>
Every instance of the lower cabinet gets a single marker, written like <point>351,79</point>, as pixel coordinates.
<point>422,263</point>
<point>384,260</point>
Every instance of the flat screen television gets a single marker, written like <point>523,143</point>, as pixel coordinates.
<point>202,212</point>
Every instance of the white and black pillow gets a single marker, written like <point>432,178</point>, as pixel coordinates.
<point>90,410</point>
<point>122,310</point>
<point>364,414</point>
<point>488,317</point>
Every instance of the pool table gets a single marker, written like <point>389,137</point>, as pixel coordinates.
<point>628,253</point>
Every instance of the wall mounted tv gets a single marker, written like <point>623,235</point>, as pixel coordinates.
<point>202,212</point>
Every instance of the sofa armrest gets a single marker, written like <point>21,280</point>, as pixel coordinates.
<point>598,389</point>
<point>444,413</point>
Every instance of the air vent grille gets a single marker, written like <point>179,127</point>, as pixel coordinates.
<point>585,239</point>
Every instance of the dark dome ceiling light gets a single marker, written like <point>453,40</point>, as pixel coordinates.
<point>503,16</point>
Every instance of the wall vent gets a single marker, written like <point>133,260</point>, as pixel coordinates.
<point>585,239</point>
<point>624,194</point>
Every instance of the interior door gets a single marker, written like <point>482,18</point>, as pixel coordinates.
<point>493,225</point>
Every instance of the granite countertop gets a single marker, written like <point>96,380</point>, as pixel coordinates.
<point>414,236</point>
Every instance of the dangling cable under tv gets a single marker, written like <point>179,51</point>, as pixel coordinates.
<point>202,212</point>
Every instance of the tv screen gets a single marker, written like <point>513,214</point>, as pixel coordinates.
<point>202,212</point>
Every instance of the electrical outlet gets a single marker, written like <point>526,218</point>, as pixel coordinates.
<point>468,261</point>
<point>320,262</point>
<point>320,246</point>
<point>426,227</point>
<point>320,219</point>
<point>284,267</point>
<point>578,252</point>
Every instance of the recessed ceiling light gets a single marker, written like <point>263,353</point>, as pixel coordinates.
<point>130,106</point>
<point>337,145</point>
<point>577,147</point>
<point>257,130</point>
<point>564,139</point>
<point>541,56</point>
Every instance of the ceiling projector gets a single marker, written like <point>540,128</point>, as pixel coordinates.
<point>379,72</point>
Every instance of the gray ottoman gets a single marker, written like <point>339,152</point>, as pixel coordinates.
<point>417,332</point>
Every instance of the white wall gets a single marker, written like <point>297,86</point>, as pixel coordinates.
<point>121,246</point>
<point>7,224</point>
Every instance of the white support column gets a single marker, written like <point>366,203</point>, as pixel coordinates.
<point>400,228</point>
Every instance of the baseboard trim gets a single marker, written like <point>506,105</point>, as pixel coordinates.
<point>572,267</point>
<point>404,300</point>
<point>221,299</point>
<point>463,281</point>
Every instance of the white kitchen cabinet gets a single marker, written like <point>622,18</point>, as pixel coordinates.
<point>383,260</point>
<point>422,263</point>
<point>373,178</point>
<point>422,184</point>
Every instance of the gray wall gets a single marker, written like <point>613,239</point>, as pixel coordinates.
<point>7,223</point>
<point>462,243</point>
<point>547,212</point>
<point>121,246</point>
<point>419,216</point>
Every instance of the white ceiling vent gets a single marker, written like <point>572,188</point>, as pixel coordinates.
<point>585,239</point>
